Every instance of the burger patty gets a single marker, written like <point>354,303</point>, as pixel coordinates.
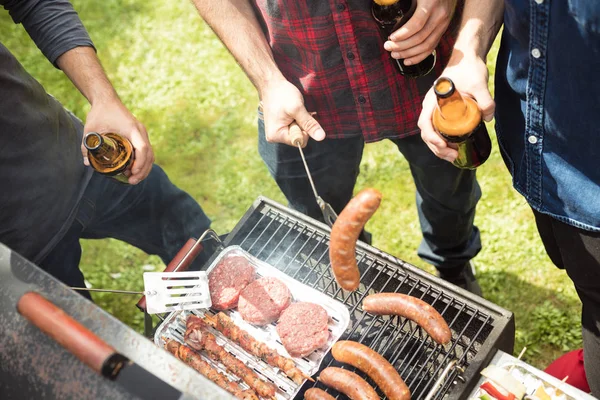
<point>227,280</point>
<point>302,328</point>
<point>262,301</point>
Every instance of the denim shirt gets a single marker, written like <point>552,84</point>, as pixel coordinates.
<point>548,106</point>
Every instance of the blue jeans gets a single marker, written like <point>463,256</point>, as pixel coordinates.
<point>446,195</point>
<point>154,216</point>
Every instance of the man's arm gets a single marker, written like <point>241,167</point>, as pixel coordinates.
<point>235,23</point>
<point>58,32</point>
<point>467,68</point>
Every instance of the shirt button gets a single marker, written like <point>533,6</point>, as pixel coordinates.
<point>535,100</point>
<point>350,55</point>
<point>536,53</point>
<point>532,139</point>
<point>361,99</point>
<point>342,7</point>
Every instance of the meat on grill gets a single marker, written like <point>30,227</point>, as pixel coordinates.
<point>227,280</point>
<point>194,360</point>
<point>227,327</point>
<point>262,301</point>
<point>199,338</point>
<point>302,328</point>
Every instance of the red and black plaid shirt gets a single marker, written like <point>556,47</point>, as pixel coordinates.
<point>333,52</point>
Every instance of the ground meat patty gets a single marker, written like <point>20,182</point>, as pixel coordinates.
<point>302,328</point>
<point>262,301</point>
<point>227,280</point>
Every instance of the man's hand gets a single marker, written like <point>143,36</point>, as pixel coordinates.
<point>417,39</point>
<point>470,77</point>
<point>283,104</point>
<point>112,116</point>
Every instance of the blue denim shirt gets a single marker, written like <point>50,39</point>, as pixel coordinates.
<point>547,106</point>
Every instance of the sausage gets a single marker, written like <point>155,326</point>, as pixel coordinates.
<point>317,394</point>
<point>373,364</point>
<point>348,383</point>
<point>344,234</point>
<point>412,308</point>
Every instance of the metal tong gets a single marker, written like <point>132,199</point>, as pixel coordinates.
<point>329,215</point>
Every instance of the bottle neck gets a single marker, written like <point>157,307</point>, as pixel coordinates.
<point>455,115</point>
<point>108,153</point>
<point>392,15</point>
<point>102,147</point>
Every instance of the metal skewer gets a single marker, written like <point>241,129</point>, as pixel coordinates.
<point>107,290</point>
<point>329,214</point>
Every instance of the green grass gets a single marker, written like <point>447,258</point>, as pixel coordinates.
<point>200,111</point>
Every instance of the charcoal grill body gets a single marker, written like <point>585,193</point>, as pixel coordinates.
<point>33,366</point>
<point>298,245</point>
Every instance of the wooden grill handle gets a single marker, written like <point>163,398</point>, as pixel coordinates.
<point>296,134</point>
<point>175,261</point>
<point>70,334</point>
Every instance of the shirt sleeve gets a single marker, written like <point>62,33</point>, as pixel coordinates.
<point>53,25</point>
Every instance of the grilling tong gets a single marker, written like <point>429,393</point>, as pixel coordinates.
<point>329,214</point>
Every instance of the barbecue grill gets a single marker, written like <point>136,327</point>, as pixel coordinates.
<point>298,246</point>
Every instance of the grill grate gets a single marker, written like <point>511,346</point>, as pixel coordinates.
<point>299,246</point>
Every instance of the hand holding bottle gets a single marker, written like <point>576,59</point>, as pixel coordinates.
<point>282,103</point>
<point>111,116</point>
<point>419,37</point>
<point>470,74</point>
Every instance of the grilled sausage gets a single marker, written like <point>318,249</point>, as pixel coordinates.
<point>412,308</point>
<point>345,233</point>
<point>317,394</point>
<point>373,364</point>
<point>348,383</point>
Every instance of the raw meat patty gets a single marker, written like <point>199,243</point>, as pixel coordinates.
<point>262,301</point>
<point>302,328</point>
<point>227,280</point>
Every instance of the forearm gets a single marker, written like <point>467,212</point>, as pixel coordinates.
<point>480,24</point>
<point>235,23</point>
<point>83,68</point>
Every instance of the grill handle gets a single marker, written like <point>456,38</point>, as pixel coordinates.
<point>70,334</point>
<point>181,262</point>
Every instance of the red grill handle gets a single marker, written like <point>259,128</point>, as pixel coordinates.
<point>175,261</point>
<point>70,334</point>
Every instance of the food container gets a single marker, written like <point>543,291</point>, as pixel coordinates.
<point>173,327</point>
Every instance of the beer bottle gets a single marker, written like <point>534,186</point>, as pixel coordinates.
<point>390,15</point>
<point>458,120</point>
<point>109,154</point>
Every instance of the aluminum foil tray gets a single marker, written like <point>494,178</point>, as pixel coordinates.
<point>173,327</point>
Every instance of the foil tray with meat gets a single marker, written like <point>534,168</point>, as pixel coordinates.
<point>252,328</point>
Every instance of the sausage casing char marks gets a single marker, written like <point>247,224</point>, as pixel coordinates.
<point>345,233</point>
<point>373,364</point>
<point>412,308</point>
<point>348,383</point>
<point>317,394</point>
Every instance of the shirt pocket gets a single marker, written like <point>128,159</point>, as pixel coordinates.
<point>586,13</point>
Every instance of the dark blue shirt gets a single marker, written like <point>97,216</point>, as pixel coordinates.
<point>547,106</point>
<point>42,176</point>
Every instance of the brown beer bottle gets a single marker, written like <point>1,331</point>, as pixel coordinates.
<point>109,154</point>
<point>459,120</point>
<point>390,15</point>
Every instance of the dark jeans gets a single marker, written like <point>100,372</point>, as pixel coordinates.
<point>446,195</point>
<point>578,252</point>
<point>154,216</point>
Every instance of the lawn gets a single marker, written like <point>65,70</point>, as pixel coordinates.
<point>200,111</point>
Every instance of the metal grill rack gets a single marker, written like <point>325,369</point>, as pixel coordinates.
<point>299,246</point>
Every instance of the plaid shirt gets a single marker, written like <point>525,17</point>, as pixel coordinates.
<point>333,52</point>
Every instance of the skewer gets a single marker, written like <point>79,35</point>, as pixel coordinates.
<point>255,347</point>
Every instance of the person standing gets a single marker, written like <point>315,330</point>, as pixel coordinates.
<point>547,120</point>
<point>328,58</point>
<point>49,198</point>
